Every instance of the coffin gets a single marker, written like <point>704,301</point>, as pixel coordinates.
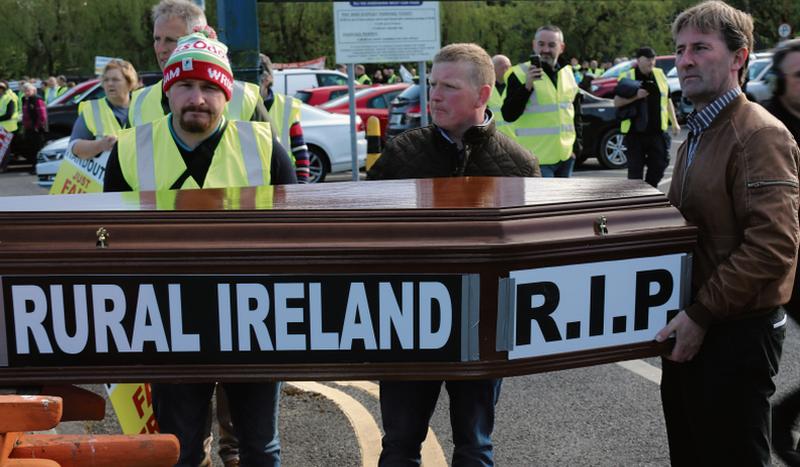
<point>439,278</point>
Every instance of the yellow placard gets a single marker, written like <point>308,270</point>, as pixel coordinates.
<point>133,404</point>
<point>76,175</point>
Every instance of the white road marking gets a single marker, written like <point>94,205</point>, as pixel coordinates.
<point>366,430</point>
<point>432,452</point>
<point>643,369</point>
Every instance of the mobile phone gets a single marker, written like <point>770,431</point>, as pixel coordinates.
<point>536,60</point>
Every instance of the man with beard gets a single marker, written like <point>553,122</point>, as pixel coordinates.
<point>195,146</point>
<point>173,19</point>
<point>543,102</point>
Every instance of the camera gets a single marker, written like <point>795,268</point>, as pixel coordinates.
<point>536,60</point>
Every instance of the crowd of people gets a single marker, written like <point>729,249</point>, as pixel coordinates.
<point>736,180</point>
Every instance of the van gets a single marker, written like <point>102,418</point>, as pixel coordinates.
<point>289,81</point>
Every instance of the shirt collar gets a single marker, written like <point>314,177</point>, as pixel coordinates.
<point>698,122</point>
<point>487,119</point>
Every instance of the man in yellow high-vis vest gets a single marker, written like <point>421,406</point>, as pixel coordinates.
<point>195,146</point>
<point>544,104</point>
<point>361,75</point>
<point>501,65</point>
<point>646,139</point>
<point>284,113</point>
<point>173,19</point>
<point>9,121</point>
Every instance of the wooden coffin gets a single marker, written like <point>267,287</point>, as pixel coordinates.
<point>439,278</point>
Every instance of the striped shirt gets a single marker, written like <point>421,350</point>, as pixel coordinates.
<point>698,122</point>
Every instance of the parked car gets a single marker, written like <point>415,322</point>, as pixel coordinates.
<point>604,86</point>
<point>601,136</point>
<point>404,112</point>
<point>321,95</point>
<point>292,80</point>
<point>683,107</point>
<point>327,136</point>
<point>373,101</point>
<point>759,78</point>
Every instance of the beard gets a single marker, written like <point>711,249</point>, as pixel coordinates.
<point>195,125</point>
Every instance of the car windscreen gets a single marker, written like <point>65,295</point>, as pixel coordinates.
<point>343,99</point>
<point>617,69</point>
<point>411,93</point>
<point>330,79</point>
<point>756,67</point>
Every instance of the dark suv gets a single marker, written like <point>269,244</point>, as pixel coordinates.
<point>404,112</point>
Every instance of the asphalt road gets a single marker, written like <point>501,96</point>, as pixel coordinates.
<point>607,415</point>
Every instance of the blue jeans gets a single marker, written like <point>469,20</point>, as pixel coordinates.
<point>182,409</point>
<point>561,169</point>
<point>406,410</point>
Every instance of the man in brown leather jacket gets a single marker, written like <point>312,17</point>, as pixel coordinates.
<point>736,179</point>
<point>462,141</point>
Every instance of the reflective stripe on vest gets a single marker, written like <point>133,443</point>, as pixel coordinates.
<point>12,124</point>
<point>284,120</point>
<point>99,118</point>
<point>145,105</point>
<point>150,159</point>
<point>546,127</point>
<point>244,100</point>
<point>663,88</point>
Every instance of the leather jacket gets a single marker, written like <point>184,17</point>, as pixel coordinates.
<point>741,190</point>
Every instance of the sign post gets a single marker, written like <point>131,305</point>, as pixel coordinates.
<point>386,32</point>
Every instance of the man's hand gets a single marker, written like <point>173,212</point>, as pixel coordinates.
<point>688,337</point>
<point>534,73</point>
<point>642,93</point>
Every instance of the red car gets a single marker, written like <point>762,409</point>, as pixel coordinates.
<point>370,101</point>
<point>604,86</point>
<point>323,94</point>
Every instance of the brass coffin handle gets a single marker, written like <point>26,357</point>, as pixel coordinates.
<point>102,237</point>
<point>601,226</point>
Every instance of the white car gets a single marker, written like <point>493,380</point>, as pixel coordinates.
<point>327,136</point>
<point>291,80</point>
<point>759,77</point>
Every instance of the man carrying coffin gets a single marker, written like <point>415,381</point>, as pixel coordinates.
<point>462,141</point>
<point>194,146</point>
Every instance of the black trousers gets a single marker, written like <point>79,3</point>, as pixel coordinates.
<point>716,406</point>
<point>786,413</point>
<point>649,150</point>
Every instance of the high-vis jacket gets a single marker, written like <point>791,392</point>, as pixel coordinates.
<point>12,124</point>
<point>547,127</point>
<point>364,79</point>
<point>663,88</point>
<point>99,118</point>
<point>495,104</point>
<point>145,103</point>
<point>284,113</point>
<point>150,158</point>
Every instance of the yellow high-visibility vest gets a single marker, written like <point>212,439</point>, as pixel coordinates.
<point>13,124</point>
<point>546,127</point>
<point>99,118</point>
<point>284,113</point>
<point>495,104</point>
<point>146,103</point>
<point>663,88</point>
<point>150,158</point>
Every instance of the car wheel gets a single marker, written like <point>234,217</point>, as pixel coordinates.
<point>612,150</point>
<point>318,164</point>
